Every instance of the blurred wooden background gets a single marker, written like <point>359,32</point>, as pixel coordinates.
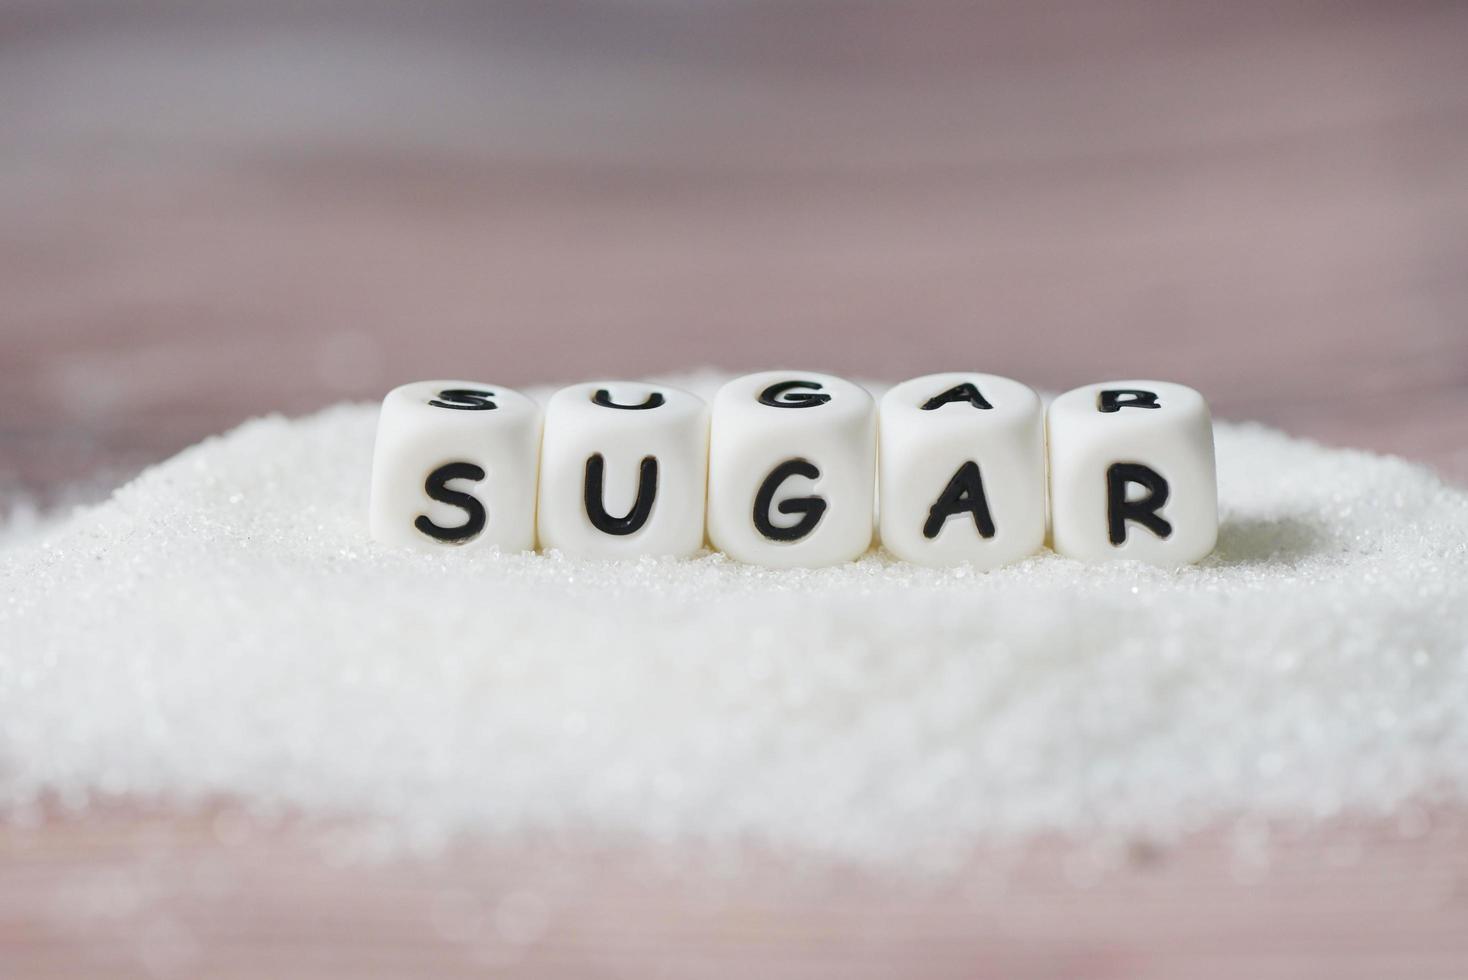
<point>209,211</point>
<point>213,210</point>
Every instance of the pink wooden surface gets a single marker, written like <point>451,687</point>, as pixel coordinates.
<point>211,212</point>
<point>122,895</point>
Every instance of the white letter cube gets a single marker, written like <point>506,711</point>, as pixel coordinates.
<point>624,467</point>
<point>962,470</point>
<point>455,464</point>
<point>1132,473</point>
<point>792,469</point>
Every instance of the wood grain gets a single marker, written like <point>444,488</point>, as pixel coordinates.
<point>124,893</point>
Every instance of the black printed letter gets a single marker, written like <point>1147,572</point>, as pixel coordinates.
<point>812,508</point>
<point>965,392</point>
<point>963,495</point>
<point>436,486</point>
<point>776,395</point>
<point>465,399</point>
<point>604,399</point>
<point>647,491</point>
<point>1115,399</point>
<point>1119,510</point>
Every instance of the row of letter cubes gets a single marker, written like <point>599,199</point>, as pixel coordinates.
<point>794,469</point>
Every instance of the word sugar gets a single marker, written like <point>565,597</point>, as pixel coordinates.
<point>799,469</point>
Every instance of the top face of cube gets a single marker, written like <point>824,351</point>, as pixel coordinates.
<point>793,399</point>
<point>964,401</point>
<point>1128,407</point>
<point>455,403</point>
<point>625,404</point>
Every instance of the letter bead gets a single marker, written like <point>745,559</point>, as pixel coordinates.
<point>962,470</point>
<point>624,468</point>
<point>455,464</point>
<point>792,469</point>
<point>1132,473</point>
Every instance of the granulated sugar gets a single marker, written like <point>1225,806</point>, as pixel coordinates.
<point>224,626</point>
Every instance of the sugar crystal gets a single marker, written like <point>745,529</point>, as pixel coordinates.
<point>223,626</point>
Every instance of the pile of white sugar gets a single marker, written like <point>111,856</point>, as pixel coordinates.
<point>223,627</point>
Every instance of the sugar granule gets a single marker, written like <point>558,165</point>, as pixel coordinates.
<point>223,626</point>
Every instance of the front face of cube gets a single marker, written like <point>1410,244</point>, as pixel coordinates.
<point>455,465</point>
<point>1132,473</point>
<point>792,462</point>
<point>962,470</point>
<point>623,471</point>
